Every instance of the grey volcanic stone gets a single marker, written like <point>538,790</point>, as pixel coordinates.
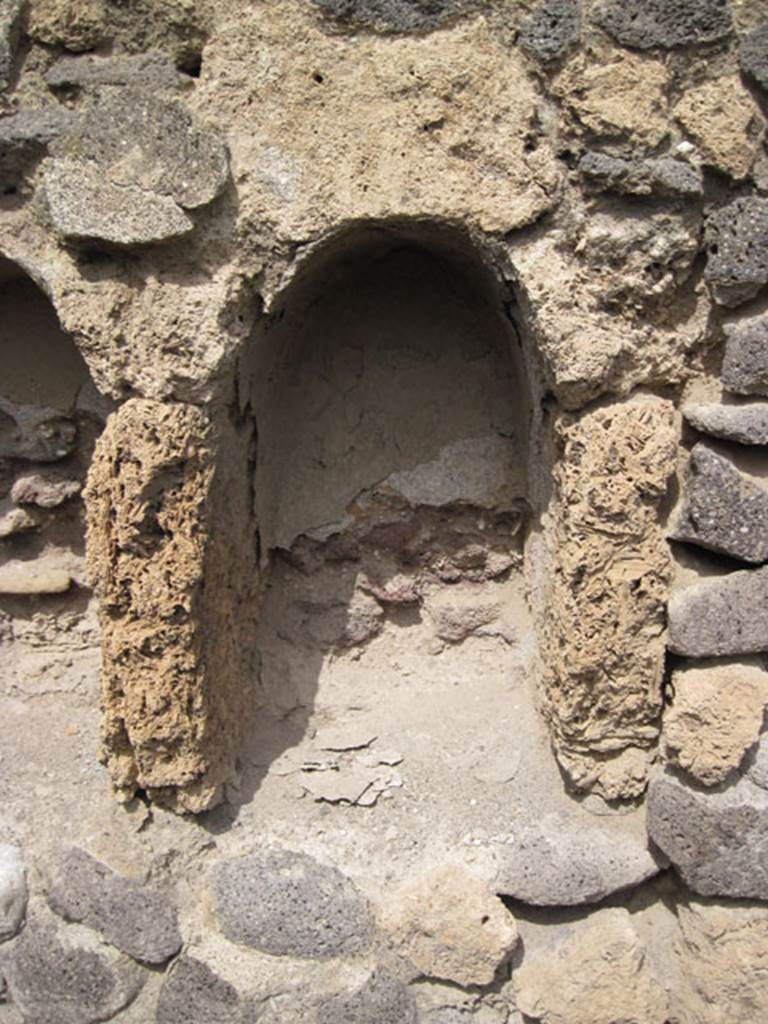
<point>136,920</point>
<point>737,245</point>
<point>559,864</point>
<point>148,70</point>
<point>718,841</point>
<point>55,983</point>
<point>9,32</point>
<point>398,15</point>
<point>193,994</point>
<point>287,904</point>
<point>13,891</point>
<point>753,56</point>
<point>553,29</point>
<point>653,176</point>
<point>727,615</point>
<point>756,762</point>
<point>745,366</point>
<point>644,24</point>
<point>723,510</point>
<point>381,1000</point>
<point>745,424</point>
<point>25,136</point>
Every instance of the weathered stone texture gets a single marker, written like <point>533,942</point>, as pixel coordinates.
<point>727,615</point>
<point>744,424</point>
<point>753,55</point>
<point>737,244</point>
<point>663,176</point>
<point>171,550</point>
<point>26,136</point>
<point>397,15</point>
<point>44,490</point>
<point>382,999</point>
<point>723,120</point>
<point>194,994</point>
<point>745,365</point>
<point>645,24</point>
<point>552,29</point>
<point>9,24</point>
<point>13,890</point>
<point>153,71</point>
<point>77,25</point>
<point>756,764</point>
<point>603,632</point>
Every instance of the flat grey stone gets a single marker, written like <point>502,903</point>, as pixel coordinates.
<point>753,56</point>
<point>645,24</point>
<point>717,840</point>
<point>25,136</point>
<point>745,424</point>
<point>558,864</point>
<point>51,982</point>
<point>552,30</point>
<point>397,15</point>
<point>134,919</point>
<point>33,433</point>
<point>381,1000</point>
<point>288,904</point>
<point>737,246</point>
<point>723,510</point>
<point>662,176</point>
<point>13,890</point>
<point>745,365</point>
<point>194,994</point>
<point>756,762</point>
<point>9,34</point>
<point>148,70</point>
<point>726,615</point>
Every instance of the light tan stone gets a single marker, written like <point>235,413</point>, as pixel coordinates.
<point>76,24</point>
<point>450,926</point>
<point>33,578</point>
<point>715,716</point>
<point>724,121</point>
<point>597,975</point>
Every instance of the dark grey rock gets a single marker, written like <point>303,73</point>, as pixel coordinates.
<point>25,136</point>
<point>381,1000</point>
<point>645,24</point>
<point>193,994</point>
<point>756,763</point>
<point>398,15</point>
<point>717,840</point>
<point>136,920</point>
<point>13,890</point>
<point>287,904</point>
<point>662,176</point>
<point>753,56</point>
<point>552,30</point>
<point>51,982</point>
<point>9,34</point>
<point>745,366</point>
<point>148,70</point>
<point>726,615</point>
<point>745,424</point>
<point>737,247</point>
<point>723,509</point>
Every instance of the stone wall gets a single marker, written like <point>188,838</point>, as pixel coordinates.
<point>383,511</point>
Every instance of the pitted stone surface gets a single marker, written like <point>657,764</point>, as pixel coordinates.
<point>727,615</point>
<point>723,509</point>
<point>745,424</point>
<point>753,55</point>
<point>717,840</point>
<point>745,365</point>
<point>724,121</point>
<point>652,176</point>
<point>148,70</point>
<point>136,920</point>
<point>644,24</point>
<point>26,136</point>
<point>288,904</point>
<point>398,15</point>
<point>9,24</point>
<point>194,994</point>
<point>553,29</point>
<point>381,1000</point>
<point>13,890</point>
<point>737,245</point>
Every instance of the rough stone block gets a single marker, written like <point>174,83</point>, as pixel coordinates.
<point>135,920</point>
<point>745,424</point>
<point>288,904</point>
<point>717,840</point>
<point>726,615</point>
<point>36,434</point>
<point>753,55</point>
<point>13,890</point>
<point>14,521</point>
<point>645,24</point>
<point>35,578</point>
<point>663,176</point>
<point>26,136</point>
<point>756,763</point>
<point>9,25</point>
<point>552,30</point>
<point>723,120</point>
<point>397,15</point>
<point>723,510</point>
<point>44,491</point>
<point>745,365</point>
<point>153,71</point>
<point>381,1000</point>
<point>194,994</point>
<point>737,244</point>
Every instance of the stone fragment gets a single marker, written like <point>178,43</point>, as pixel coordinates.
<point>745,424</point>
<point>450,926</point>
<point>597,974</point>
<point>717,840</point>
<point>382,999</point>
<point>36,434</point>
<point>726,615</point>
<point>737,246</point>
<point>75,25</point>
<point>397,15</point>
<point>557,863</point>
<point>44,491</point>
<point>26,136</point>
<point>715,717</point>
<point>153,71</point>
<point>13,890</point>
<point>194,994</point>
<point>663,176</point>
<point>16,520</point>
<point>645,24</point>
<point>135,920</point>
<point>288,904</point>
<point>26,579</point>
<point>745,365</point>
<point>723,509</point>
<point>753,55</point>
<point>9,31</point>
<point>552,30</point>
<point>756,763</point>
<point>722,119</point>
<point>56,982</point>
<point>460,610</point>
